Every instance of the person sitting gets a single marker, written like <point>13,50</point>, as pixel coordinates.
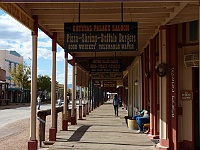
<point>142,120</point>
<point>139,114</point>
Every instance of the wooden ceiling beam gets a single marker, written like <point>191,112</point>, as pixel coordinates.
<point>142,22</point>
<point>51,5</point>
<point>100,5</point>
<point>151,4</point>
<point>112,16</point>
<point>101,11</point>
<point>177,10</point>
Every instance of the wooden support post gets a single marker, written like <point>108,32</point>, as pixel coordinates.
<point>43,127</point>
<point>80,112</point>
<point>87,112</point>
<point>84,110</point>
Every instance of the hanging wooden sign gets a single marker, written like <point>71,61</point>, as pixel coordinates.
<point>101,36</point>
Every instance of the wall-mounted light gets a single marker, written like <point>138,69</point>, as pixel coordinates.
<point>136,82</point>
<point>161,70</point>
<point>157,63</point>
<point>147,74</point>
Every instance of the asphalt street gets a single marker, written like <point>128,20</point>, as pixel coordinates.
<point>14,112</point>
<point>9,115</point>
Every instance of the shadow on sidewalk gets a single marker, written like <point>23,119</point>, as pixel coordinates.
<point>77,135</point>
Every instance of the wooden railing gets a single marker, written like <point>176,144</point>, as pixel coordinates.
<point>42,115</point>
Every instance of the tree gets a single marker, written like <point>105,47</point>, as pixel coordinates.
<point>69,93</point>
<point>44,85</point>
<point>20,76</point>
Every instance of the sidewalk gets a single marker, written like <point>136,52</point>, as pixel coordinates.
<point>14,105</point>
<point>102,130</point>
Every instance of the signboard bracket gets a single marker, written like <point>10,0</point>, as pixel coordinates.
<point>122,9</point>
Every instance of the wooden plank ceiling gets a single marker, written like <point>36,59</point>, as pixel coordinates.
<point>150,15</point>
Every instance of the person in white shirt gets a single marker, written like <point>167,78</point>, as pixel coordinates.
<point>39,102</point>
<point>59,102</point>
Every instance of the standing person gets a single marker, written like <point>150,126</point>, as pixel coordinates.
<point>115,104</point>
<point>39,102</point>
<point>59,102</point>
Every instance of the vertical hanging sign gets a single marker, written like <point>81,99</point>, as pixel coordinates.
<point>172,91</point>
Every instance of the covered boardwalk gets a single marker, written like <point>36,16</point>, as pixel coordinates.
<point>156,62</point>
<point>102,130</point>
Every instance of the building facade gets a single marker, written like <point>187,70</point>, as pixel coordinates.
<point>8,61</point>
<point>168,75</point>
<point>3,88</point>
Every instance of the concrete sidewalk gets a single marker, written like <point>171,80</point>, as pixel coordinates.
<point>102,130</point>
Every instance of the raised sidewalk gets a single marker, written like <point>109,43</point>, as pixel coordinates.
<point>102,130</point>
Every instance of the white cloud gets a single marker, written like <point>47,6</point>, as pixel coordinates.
<point>60,55</point>
<point>61,77</point>
<point>42,72</point>
<point>44,53</point>
<point>70,74</point>
<point>47,43</point>
<point>15,36</point>
<point>42,35</point>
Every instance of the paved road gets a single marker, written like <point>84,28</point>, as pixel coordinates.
<point>15,112</point>
<point>11,114</point>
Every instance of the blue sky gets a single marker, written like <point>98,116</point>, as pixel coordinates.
<point>15,36</point>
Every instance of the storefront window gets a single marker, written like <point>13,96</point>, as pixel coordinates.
<point>193,31</point>
<point>15,67</point>
<point>9,65</point>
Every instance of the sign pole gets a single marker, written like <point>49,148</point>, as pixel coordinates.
<point>122,11</point>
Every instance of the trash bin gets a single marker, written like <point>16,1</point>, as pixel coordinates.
<point>132,124</point>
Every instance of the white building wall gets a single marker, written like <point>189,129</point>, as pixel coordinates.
<point>185,83</point>
<point>7,57</point>
<point>2,59</point>
<point>130,87</point>
<point>135,90</point>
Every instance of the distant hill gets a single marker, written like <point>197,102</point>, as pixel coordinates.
<point>69,86</point>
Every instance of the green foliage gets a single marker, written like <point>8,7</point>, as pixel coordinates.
<point>21,75</point>
<point>44,83</point>
<point>69,92</point>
